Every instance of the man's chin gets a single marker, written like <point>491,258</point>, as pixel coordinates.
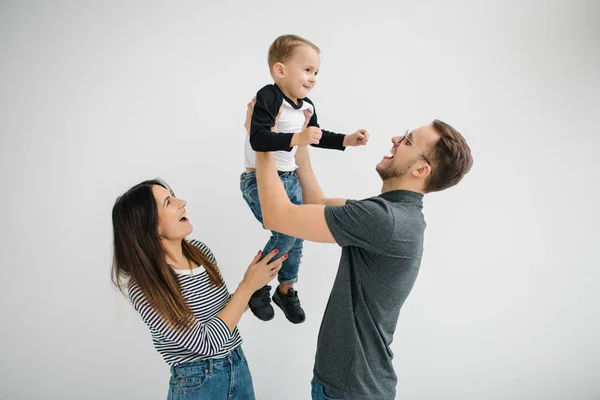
<point>386,173</point>
<point>382,171</point>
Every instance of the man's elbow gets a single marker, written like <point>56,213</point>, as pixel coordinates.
<point>269,223</point>
<point>321,201</point>
<point>272,218</point>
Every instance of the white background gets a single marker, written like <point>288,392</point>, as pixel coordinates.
<point>96,97</point>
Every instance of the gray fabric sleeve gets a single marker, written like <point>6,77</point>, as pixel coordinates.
<point>364,223</point>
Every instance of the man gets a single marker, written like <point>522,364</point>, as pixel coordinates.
<point>382,244</point>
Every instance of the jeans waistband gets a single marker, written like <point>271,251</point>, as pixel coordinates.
<point>208,365</point>
<point>279,172</point>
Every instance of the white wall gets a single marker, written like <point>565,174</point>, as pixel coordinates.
<point>97,96</point>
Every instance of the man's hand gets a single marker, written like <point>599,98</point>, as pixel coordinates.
<point>358,138</point>
<point>249,112</point>
<point>310,135</point>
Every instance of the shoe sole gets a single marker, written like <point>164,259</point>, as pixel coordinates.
<point>276,301</point>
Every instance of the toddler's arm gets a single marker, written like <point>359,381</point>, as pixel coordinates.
<point>266,108</point>
<point>329,140</point>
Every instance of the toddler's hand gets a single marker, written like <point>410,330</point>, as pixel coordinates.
<point>358,138</point>
<point>310,135</point>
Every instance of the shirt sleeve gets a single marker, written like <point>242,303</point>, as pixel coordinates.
<point>329,140</point>
<point>364,223</point>
<point>206,339</point>
<point>266,108</point>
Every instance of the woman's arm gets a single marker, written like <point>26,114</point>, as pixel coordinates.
<point>258,274</point>
<point>209,338</point>
<point>238,304</point>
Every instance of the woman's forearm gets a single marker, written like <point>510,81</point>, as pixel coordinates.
<point>238,303</point>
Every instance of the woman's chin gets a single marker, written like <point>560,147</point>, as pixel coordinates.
<point>188,229</point>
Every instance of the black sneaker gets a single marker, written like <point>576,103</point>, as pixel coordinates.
<point>260,304</point>
<point>290,305</point>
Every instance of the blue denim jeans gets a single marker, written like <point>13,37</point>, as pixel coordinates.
<point>320,392</point>
<point>286,244</point>
<point>224,378</point>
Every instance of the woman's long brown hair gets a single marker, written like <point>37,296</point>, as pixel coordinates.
<point>139,255</point>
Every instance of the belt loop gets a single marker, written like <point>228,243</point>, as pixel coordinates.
<point>210,365</point>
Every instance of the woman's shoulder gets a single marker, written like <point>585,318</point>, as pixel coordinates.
<point>204,249</point>
<point>135,294</point>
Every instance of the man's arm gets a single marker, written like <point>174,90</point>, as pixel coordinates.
<point>279,214</point>
<point>311,190</point>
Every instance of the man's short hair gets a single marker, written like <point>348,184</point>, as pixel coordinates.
<point>450,156</point>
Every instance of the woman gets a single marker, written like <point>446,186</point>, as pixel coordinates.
<point>177,288</point>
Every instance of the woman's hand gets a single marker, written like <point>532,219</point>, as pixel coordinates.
<point>259,273</point>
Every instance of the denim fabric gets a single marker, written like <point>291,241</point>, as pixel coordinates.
<point>286,244</point>
<point>224,378</point>
<point>320,392</point>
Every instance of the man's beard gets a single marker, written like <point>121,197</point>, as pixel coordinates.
<point>394,171</point>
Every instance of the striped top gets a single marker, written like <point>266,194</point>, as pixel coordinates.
<point>209,336</point>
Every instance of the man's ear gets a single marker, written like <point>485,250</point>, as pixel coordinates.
<point>423,171</point>
<point>279,70</point>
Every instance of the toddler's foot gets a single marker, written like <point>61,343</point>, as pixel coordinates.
<point>290,305</point>
<point>260,304</point>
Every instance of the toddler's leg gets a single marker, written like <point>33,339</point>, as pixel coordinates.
<point>289,270</point>
<point>286,297</point>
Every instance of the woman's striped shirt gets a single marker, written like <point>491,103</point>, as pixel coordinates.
<point>209,336</point>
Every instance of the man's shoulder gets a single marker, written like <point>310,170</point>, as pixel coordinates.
<point>369,200</point>
<point>378,208</point>
<point>366,211</point>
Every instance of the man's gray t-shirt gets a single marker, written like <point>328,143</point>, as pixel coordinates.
<point>382,244</point>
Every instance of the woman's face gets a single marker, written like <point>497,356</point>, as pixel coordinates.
<point>172,219</point>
